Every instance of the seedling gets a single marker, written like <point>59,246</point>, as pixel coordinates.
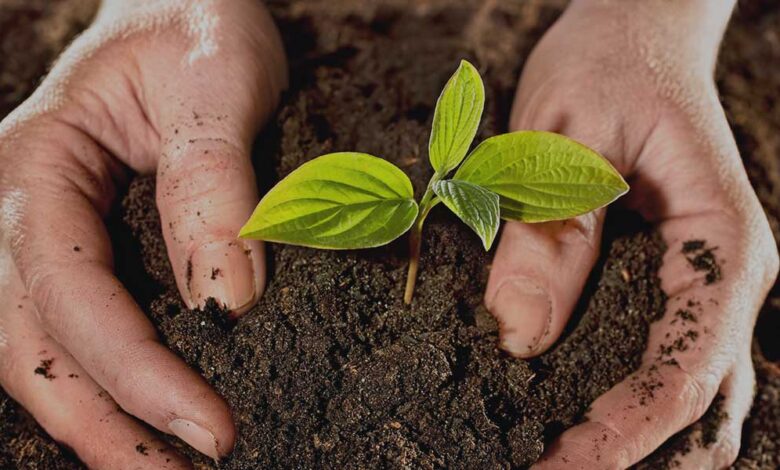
<point>350,200</point>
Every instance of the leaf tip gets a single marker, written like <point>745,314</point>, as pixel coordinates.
<point>624,187</point>
<point>466,64</point>
<point>468,67</point>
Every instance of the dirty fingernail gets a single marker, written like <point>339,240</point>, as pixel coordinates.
<point>524,311</point>
<point>196,436</point>
<point>222,270</point>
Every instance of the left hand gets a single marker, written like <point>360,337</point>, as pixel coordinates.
<point>176,88</point>
<point>635,83</point>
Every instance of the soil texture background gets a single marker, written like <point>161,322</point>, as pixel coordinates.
<point>331,370</point>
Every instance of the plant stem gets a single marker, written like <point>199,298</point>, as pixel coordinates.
<point>415,238</point>
<point>414,260</point>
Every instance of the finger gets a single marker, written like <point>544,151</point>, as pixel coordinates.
<point>206,191</point>
<point>719,448</point>
<point>538,274</point>
<point>206,188</point>
<point>64,257</point>
<point>632,419</point>
<point>539,270</point>
<point>688,353</point>
<point>65,401</point>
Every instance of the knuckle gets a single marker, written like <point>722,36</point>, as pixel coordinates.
<point>612,449</point>
<point>214,150</point>
<point>625,449</point>
<point>579,230</point>
<point>45,287</point>
<point>48,285</point>
<point>199,167</point>
<point>695,394</point>
<point>53,156</point>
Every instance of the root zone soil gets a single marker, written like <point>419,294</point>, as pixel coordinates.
<point>331,369</point>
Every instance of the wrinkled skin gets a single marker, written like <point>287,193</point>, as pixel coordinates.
<point>137,91</point>
<point>636,83</point>
<point>176,88</point>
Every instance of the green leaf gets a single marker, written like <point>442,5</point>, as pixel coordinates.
<point>542,176</point>
<point>456,118</point>
<point>336,201</point>
<point>475,206</point>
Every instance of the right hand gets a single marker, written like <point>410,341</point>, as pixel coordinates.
<point>634,81</point>
<point>172,87</point>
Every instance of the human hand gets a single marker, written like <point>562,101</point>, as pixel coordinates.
<point>635,82</point>
<point>168,86</point>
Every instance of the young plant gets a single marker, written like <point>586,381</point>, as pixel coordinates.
<point>351,200</point>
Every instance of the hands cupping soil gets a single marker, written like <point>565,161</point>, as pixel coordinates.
<point>642,93</point>
<point>156,92</point>
<point>173,87</point>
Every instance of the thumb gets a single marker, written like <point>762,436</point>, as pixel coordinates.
<point>205,192</point>
<point>206,187</point>
<point>537,277</point>
<point>539,270</point>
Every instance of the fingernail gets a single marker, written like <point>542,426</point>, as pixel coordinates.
<point>222,270</point>
<point>199,438</point>
<point>524,311</point>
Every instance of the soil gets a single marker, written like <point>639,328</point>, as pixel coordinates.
<point>331,369</point>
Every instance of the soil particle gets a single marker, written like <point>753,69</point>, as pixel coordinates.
<point>703,433</point>
<point>189,273</point>
<point>142,449</point>
<point>44,369</point>
<point>643,386</point>
<point>685,315</point>
<point>702,258</point>
<point>681,342</point>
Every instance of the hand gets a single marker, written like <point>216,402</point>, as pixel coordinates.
<point>173,87</point>
<point>635,82</point>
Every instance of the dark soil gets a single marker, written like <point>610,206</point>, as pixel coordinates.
<point>702,258</point>
<point>331,369</point>
<point>32,34</point>
<point>44,369</point>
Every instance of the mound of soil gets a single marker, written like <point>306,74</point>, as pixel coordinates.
<point>331,369</point>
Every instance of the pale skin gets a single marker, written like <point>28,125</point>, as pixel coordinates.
<point>179,88</point>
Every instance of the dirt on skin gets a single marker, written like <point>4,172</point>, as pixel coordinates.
<point>331,369</point>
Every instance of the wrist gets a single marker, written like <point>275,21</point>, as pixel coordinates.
<point>689,30</point>
<point>708,18</point>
